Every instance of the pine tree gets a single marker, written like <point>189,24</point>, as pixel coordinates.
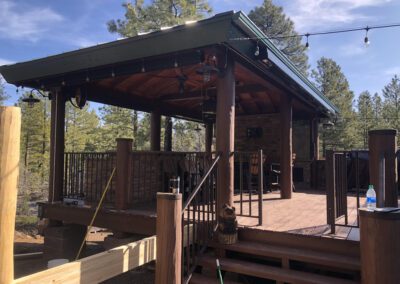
<point>331,81</point>
<point>80,129</point>
<point>141,17</point>
<point>391,104</point>
<point>365,117</point>
<point>3,95</point>
<point>35,133</point>
<point>274,23</point>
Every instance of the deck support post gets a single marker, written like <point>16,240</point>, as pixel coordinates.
<point>208,137</point>
<point>383,166</point>
<point>379,238</point>
<point>225,135</point>
<point>314,140</point>
<point>57,132</point>
<point>10,130</point>
<point>123,172</point>
<point>169,238</point>
<point>168,134</point>
<point>286,157</point>
<point>155,130</point>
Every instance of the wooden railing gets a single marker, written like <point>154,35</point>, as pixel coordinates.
<point>199,219</point>
<point>86,174</point>
<point>249,184</point>
<point>340,168</point>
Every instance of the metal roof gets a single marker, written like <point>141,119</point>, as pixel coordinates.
<point>219,29</point>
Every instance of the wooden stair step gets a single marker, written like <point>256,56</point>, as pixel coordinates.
<point>309,256</point>
<point>203,279</point>
<point>270,272</point>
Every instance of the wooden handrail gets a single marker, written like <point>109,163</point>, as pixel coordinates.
<point>197,189</point>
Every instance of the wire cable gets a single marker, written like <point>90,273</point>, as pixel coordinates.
<point>367,28</point>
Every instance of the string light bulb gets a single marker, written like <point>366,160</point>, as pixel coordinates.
<point>366,39</point>
<point>143,69</point>
<point>257,51</point>
<point>176,63</point>
<point>307,43</point>
<point>112,73</point>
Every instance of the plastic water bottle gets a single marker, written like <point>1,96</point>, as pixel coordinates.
<point>371,197</point>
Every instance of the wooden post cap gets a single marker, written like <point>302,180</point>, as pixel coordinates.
<point>170,196</point>
<point>392,132</point>
<point>388,213</point>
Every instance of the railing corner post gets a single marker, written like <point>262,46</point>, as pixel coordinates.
<point>169,238</point>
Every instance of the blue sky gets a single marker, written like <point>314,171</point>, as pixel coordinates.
<point>33,29</point>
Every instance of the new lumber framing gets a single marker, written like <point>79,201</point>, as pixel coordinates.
<point>98,267</point>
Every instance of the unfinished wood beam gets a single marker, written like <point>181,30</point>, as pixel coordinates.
<point>225,135</point>
<point>57,133</point>
<point>99,267</point>
<point>169,238</point>
<point>286,157</point>
<point>10,131</point>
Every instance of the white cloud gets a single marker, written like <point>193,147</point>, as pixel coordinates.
<point>4,61</point>
<point>311,14</point>
<point>353,49</point>
<point>391,71</point>
<point>25,22</point>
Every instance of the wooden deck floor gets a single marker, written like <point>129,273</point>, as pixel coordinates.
<point>305,213</point>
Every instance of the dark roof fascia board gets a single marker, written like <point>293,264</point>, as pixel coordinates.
<point>281,61</point>
<point>202,33</point>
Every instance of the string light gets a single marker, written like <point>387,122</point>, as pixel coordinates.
<point>307,35</point>
<point>366,40</point>
<point>176,63</point>
<point>257,52</point>
<point>143,69</point>
<point>307,44</point>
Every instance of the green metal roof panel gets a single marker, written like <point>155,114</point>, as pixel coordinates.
<point>211,31</point>
<point>280,60</point>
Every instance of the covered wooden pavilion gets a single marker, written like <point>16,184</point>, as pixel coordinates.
<point>205,71</point>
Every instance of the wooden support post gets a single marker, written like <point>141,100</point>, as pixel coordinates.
<point>330,189</point>
<point>10,130</point>
<point>286,158</point>
<point>57,146</point>
<point>169,238</point>
<point>123,172</point>
<point>314,140</point>
<point>209,136</point>
<point>168,134</point>
<point>379,247</point>
<point>225,135</point>
<point>155,131</point>
<point>260,186</point>
<point>383,145</point>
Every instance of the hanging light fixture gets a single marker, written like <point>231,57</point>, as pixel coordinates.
<point>307,44</point>
<point>31,100</point>
<point>366,39</point>
<point>257,51</point>
<point>208,69</point>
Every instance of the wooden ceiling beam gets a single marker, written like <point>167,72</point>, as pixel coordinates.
<point>127,100</point>
<point>195,95</point>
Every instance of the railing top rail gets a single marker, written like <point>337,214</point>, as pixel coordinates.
<point>197,189</point>
<point>91,153</point>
